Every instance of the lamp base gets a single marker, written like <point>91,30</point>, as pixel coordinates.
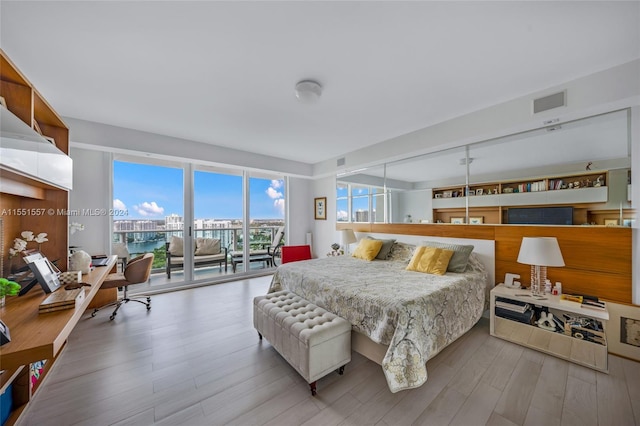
<point>538,278</point>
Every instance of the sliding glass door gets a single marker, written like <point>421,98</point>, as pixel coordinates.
<point>217,222</point>
<point>266,220</point>
<point>202,223</point>
<point>149,201</point>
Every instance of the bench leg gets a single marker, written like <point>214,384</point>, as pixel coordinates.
<point>341,370</point>
<point>313,388</point>
<point>259,335</point>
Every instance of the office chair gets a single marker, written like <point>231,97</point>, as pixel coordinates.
<point>137,271</point>
<point>295,253</point>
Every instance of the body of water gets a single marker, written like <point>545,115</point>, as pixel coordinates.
<point>145,247</point>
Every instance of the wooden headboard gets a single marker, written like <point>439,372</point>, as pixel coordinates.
<point>597,259</point>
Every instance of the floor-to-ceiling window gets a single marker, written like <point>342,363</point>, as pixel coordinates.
<point>150,204</point>
<point>214,211</point>
<point>266,217</point>
<point>217,220</point>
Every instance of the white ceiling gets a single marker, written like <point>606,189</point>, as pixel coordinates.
<point>224,72</point>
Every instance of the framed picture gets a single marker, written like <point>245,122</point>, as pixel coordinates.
<point>623,330</point>
<point>3,101</point>
<point>438,195</point>
<point>476,220</point>
<point>479,191</point>
<point>611,222</point>
<point>457,220</point>
<point>447,194</point>
<point>628,222</point>
<point>320,208</point>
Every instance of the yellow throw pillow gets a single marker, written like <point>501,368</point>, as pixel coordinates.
<point>430,260</point>
<point>368,249</point>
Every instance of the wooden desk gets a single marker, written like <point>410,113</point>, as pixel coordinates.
<point>35,336</point>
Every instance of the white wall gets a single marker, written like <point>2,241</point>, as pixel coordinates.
<point>324,231</point>
<point>90,196</point>
<point>608,90</point>
<point>117,139</point>
<point>417,203</point>
<point>299,211</point>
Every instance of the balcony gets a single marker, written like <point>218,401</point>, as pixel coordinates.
<point>154,241</point>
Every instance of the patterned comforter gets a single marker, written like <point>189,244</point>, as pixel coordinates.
<point>415,314</point>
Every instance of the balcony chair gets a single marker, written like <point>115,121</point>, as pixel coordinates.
<point>266,254</point>
<point>207,252</point>
<point>137,271</point>
<point>295,253</point>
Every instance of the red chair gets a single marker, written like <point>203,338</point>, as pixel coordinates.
<point>295,253</point>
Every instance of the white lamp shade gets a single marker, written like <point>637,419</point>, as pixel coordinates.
<point>541,251</point>
<point>347,236</point>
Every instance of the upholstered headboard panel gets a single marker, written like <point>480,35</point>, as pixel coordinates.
<point>484,249</point>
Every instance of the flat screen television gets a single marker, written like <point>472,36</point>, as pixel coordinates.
<point>540,215</point>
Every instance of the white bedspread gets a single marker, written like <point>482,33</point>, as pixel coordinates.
<point>416,314</point>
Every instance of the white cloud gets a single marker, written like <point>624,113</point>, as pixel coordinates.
<point>342,215</point>
<point>279,205</point>
<point>149,209</point>
<point>277,183</point>
<point>119,205</point>
<point>274,194</point>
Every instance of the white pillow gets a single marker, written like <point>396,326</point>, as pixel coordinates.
<point>176,246</point>
<point>206,246</point>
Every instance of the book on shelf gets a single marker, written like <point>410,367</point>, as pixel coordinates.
<point>524,317</point>
<point>593,304</point>
<point>513,307</point>
<point>571,299</point>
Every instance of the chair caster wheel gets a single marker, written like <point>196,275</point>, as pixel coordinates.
<point>148,308</point>
<point>112,317</point>
<point>93,314</point>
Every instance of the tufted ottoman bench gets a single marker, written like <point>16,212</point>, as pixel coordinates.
<point>312,340</point>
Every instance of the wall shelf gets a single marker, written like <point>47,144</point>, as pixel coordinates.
<point>490,198</point>
<point>38,184</point>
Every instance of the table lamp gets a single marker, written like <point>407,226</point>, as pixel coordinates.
<point>348,237</point>
<point>540,252</point>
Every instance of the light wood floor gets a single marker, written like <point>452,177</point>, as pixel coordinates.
<point>195,359</point>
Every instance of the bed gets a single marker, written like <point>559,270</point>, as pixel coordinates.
<point>415,314</point>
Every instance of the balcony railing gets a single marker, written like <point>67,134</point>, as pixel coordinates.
<point>154,240</point>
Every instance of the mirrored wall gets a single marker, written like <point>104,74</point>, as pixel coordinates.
<point>571,173</point>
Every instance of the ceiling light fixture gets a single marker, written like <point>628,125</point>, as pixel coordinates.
<point>308,91</point>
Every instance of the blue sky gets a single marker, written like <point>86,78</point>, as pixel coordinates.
<point>153,192</point>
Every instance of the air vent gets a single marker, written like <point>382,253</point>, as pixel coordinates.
<point>340,162</point>
<point>549,102</point>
